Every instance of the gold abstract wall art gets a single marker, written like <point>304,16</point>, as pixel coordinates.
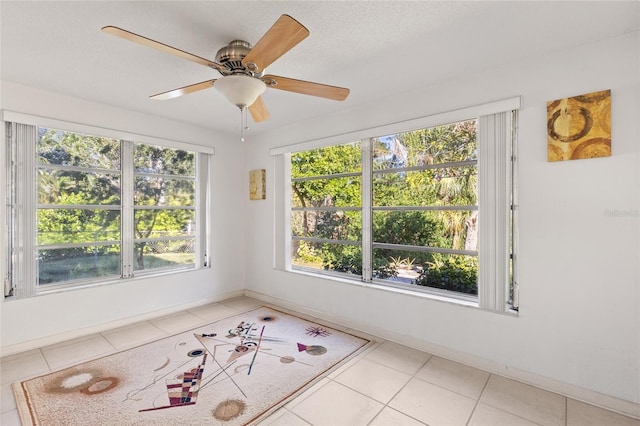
<point>579,127</point>
<point>257,187</point>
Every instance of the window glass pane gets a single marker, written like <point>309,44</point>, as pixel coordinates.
<point>334,192</point>
<point>403,189</point>
<point>434,145</point>
<point>77,226</point>
<point>333,225</point>
<point>327,161</point>
<point>450,229</point>
<point>164,254</point>
<point>451,272</point>
<point>161,223</point>
<point>330,257</point>
<point>160,160</point>
<point>66,264</point>
<point>56,147</point>
<point>442,186</point>
<point>162,191</point>
<point>399,266</point>
<point>74,187</point>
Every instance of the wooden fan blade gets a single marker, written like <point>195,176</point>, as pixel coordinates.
<point>306,87</point>
<point>128,35</point>
<point>258,110</point>
<point>278,40</point>
<point>183,90</point>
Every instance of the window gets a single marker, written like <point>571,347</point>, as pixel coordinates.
<point>78,210</point>
<point>425,211</point>
<point>164,207</point>
<point>86,209</point>
<point>326,224</point>
<point>431,210</point>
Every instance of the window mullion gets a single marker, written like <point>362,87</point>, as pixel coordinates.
<point>366,201</point>
<point>284,258</point>
<point>282,201</point>
<point>127,212</point>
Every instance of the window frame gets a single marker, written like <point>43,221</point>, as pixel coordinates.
<point>489,297</point>
<point>24,284</point>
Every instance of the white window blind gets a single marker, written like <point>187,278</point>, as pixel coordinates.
<point>21,208</point>
<point>494,195</point>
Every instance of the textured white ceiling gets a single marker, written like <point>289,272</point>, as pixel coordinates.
<point>374,48</point>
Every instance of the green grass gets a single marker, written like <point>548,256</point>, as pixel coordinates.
<point>153,261</point>
<point>88,267</point>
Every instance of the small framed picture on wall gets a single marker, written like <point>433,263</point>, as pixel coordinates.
<point>257,187</point>
<point>579,127</point>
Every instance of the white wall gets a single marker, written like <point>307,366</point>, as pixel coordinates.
<point>578,330</point>
<point>44,319</point>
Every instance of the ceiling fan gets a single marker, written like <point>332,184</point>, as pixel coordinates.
<point>243,67</point>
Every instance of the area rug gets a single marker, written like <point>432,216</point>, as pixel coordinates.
<point>234,371</point>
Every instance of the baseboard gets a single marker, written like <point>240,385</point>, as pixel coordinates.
<point>99,328</point>
<point>588,396</point>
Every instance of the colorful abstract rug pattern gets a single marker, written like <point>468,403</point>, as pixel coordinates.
<point>230,372</point>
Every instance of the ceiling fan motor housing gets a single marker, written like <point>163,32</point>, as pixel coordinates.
<point>231,57</point>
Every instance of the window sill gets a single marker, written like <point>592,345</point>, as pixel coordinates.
<point>442,296</point>
<point>426,293</point>
<point>63,287</point>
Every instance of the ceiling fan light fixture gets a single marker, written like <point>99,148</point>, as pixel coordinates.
<point>240,90</point>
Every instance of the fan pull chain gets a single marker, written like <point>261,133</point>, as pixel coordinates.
<point>242,110</point>
<point>245,126</point>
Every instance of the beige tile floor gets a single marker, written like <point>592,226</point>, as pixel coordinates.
<point>388,384</point>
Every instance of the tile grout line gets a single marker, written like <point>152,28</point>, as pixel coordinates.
<point>503,410</point>
<point>386,404</point>
<point>46,361</point>
<point>393,368</point>
<point>475,407</point>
